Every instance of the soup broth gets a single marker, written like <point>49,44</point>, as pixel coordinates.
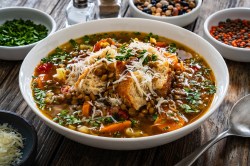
<point>123,84</point>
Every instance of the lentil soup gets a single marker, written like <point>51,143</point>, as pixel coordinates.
<point>123,84</point>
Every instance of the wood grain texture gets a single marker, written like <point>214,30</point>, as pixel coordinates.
<point>55,149</point>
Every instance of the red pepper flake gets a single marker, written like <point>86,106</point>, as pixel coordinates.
<point>233,32</point>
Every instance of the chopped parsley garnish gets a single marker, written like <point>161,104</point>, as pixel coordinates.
<point>145,61</point>
<point>137,33</point>
<point>154,57</point>
<point>96,122</point>
<point>86,39</point>
<point>193,96</point>
<point>187,108</point>
<point>126,55</point>
<point>122,49</point>
<point>172,48</point>
<point>154,117</point>
<point>64,118</point>
<point>39,96</point>
<point>57,57</point>
<point>117,134</point>
<point>207,71</point>
<point>108,56</point>
<point>151,35</point>
<point>74,44</point>
<point>209,87</point>
<point>134,123</point>
<point>21,32</point>
<point>166,128</point>
<point>141,53</point>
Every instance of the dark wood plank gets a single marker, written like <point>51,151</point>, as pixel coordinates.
<point>59,13</point>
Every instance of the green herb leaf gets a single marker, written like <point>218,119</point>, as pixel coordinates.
<point>74,44</point>
<point>137,33</point>
<point>108,56</point>
<point>65,118</point>
<point>134,123</point>
<point>39,96</point>
<point>126,55</point>
<point>151,35</point>
<point>154,57</point>
<point>57,56</point>
<point>155,117</point>
<point>193,96</point>
<point>86,39</point>
<point>188,109</point>
<point>172,48</point>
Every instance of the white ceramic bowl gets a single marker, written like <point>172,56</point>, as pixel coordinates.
<point>37,16</point>
<point>227,51</point>
<point>201,46</point>
<point>181,20</point>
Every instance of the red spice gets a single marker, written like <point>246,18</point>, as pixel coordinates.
<point>233,32</point>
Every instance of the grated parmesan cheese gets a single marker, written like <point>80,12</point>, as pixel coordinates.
<point>11,143</point>
<point>160,100</point>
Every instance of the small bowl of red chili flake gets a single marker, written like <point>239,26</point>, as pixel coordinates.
<point>229,31</point>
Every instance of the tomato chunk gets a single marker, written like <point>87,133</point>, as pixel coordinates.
<point>44,67</point>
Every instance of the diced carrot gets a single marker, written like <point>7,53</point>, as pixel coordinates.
<point>40,79</point>
<point>39,82</point>
<point>110,41</point>
<point>166,125</point>
<point>116,127</point>
<point>103,43</point>
<point>160,44</point>
<point>97,47</point>
<point>86,108</point>
<point>180,66</point>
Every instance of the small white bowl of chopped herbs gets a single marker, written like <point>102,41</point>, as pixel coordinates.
<point>21,28</point>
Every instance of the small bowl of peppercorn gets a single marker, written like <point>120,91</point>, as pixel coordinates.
<point>21,28</point>
<point>228,30</point>
<point>178,12</point>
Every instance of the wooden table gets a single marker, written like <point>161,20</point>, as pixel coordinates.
<point>55,149</point>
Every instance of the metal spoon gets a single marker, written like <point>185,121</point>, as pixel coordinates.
<point>239,125</point>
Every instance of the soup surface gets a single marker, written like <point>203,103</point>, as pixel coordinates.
<point>123,84</point>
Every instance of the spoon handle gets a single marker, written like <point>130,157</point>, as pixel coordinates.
<point>190,159</point>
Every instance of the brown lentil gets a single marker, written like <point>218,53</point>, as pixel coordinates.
<point>86,98</point>
<point>123,107</point>
<point>111,75</point>
<point>132,112</point>
<point>144,111</point>
<point>92,97</point>
<point>151,110</point>
<point>104,77</point>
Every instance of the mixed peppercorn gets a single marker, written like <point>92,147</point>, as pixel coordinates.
<point>233,32</point>
<point>165,7</point>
